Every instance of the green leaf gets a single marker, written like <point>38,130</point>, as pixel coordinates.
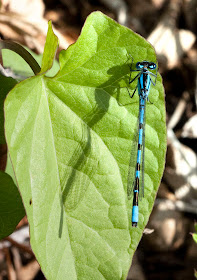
<point>20,66</point>
<point>194,235</point>
<point>6,84</point>
<point>195,273</point>
<point>195,227</point>
<point>70,138</point>
<point>49,49</point>
<point>11,207</point>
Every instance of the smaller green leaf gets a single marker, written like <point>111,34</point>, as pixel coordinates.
<point>195,273</point>
<point>19,66</point>
<point>6,84</point>
<point>194,235</point>
<point>11,206</point>
<point>49,50</point>
<point>21,51</point>
<point>195,227</point>
<point>16,63</point>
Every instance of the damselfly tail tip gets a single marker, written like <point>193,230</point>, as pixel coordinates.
<point>134,224</point>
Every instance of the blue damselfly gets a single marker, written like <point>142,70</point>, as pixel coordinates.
<point>144,83</point>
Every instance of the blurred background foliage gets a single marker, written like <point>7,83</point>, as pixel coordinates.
<point>167,249</point>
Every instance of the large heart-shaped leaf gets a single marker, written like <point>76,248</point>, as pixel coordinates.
<point>69,139</point>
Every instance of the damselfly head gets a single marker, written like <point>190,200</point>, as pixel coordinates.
<point>146,64</point>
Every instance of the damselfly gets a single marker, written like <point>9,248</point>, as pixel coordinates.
<point>143,85</point>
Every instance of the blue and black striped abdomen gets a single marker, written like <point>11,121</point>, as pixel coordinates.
<point>139,155</point>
